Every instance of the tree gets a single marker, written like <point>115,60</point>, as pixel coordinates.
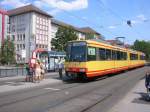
<point>63,35</point>
<point>7,52</point>
<point>143,46</point>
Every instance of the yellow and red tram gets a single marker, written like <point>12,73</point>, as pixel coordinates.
<point>91,58</point>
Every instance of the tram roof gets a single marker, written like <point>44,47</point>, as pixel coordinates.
<point>107,44</point>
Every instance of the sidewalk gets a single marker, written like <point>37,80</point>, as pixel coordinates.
<point>10,83</point>
<point>134,101</point>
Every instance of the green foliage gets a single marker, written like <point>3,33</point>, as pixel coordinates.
<point>143,46</point>
<point>7,55</point>
<point>63,35</point>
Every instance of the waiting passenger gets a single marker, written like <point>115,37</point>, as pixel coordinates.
<point>37,71</point>
<point>30,72</point>
<point>147,81</point>
<point>60,66</point>
<point>42,70</point>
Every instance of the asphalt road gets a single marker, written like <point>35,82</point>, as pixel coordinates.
<point>72,96</point>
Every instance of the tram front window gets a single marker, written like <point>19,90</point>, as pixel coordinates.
<point>77,52</point>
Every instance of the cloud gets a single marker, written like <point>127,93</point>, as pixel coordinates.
<point>54,12</point>
<point>135,22</point>
<point>111,27</point>
<point>141,17</point>
<point>15,3</point>
<point>68,6</point>
<point>38,3</point>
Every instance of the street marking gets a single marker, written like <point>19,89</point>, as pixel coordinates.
<point>52,89</point>
<point>10,82</point>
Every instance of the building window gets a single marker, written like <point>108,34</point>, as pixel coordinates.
<point>23,36</point>
<point>20,46</point>
<point>36,45</point>
<point>23,46</point>
<point>17,47</point>
<point>20,36</point>
<point>13,37</point>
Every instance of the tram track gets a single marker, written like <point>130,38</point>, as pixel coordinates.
<point>34,96</point>
<point>104,97</point>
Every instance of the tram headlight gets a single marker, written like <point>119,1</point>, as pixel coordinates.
<point>82,70</point>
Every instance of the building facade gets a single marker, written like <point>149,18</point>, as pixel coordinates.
<point>30,29</point>
<point>4,25</point>
<point>81,32</point>
<point>55,24</point>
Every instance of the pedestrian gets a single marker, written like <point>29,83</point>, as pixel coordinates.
<point>37,71</point>
<point>31,73</point>
<point>27,72</point>
<point>42,70</point>
<point>60,67</point>
<point>147,81</point>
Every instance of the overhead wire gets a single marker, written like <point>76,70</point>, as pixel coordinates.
<point>88,22</point>
<point>118,16</point>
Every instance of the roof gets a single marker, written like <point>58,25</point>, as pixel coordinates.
<point>60,23</point>
<point>88,30</point>
<point>83,30</point>
<point>26,9</point>
<point>3,11</point>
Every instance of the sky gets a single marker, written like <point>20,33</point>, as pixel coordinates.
<point>108,17</point>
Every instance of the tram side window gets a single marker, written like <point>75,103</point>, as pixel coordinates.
<point>118,55</point>
<point>142,57</point>
<point>91,56</point>
<point>125,56</point>
<point>114,55</point>
<point>133,56</point>
<point>121,56</point>
<point>102,54</point>
<point>136,57</point>
<point>108,54</point>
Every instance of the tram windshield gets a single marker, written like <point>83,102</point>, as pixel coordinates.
<point>76,52</point>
